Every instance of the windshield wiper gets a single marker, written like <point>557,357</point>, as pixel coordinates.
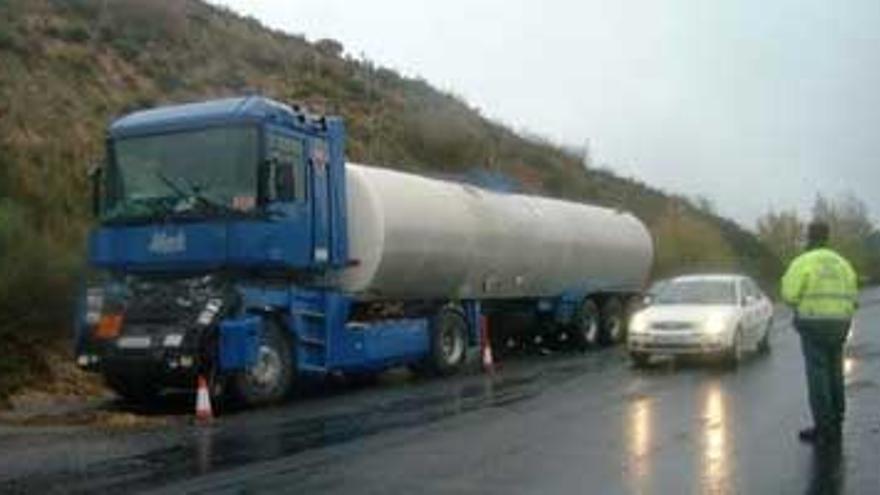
<point>171,185</point>
<point>195,193</point>
<point>138,211</point>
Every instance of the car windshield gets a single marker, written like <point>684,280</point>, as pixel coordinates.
<point>696,292</point>
<point>194,172</point>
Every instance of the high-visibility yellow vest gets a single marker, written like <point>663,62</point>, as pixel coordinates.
<point>821,284</point>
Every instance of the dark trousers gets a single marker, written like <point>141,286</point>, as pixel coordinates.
<point>822,343</point>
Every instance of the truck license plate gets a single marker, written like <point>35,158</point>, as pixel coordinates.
<point>133,342</point>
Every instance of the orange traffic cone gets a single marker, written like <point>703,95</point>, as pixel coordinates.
<point>203,401</point>
<point>488,362</point>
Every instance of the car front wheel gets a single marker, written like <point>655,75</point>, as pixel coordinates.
<point>764,343</point>
<point>733,356</point>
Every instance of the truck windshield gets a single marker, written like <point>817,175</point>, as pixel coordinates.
<point>696,292</point>
<point>204,172</point>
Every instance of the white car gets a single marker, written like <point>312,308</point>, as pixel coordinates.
<point>719,315</point>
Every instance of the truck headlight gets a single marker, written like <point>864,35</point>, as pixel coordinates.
<point>94,304</point>
<point>210,312</point>
<point>172,340</point>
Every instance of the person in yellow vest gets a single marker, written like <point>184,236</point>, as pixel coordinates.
<point>822,288</point>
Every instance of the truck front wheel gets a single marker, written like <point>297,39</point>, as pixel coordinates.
<point>448,341</point>
<point>270,379</point>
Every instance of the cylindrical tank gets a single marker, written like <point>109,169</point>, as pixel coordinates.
<point>419,238</point>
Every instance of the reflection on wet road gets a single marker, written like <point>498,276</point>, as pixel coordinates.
<point>715,460</point>
<point>640,425</point>
<point>557,424</point>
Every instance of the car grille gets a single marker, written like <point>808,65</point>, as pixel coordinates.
<point>673,325</point>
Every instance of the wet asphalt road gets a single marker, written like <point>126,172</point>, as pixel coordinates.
<point>554,424</point>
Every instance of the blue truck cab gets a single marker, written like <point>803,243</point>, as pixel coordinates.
<point>218,223</point>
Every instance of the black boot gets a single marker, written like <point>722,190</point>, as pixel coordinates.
<point>809,435</point>
<point>820,435</point>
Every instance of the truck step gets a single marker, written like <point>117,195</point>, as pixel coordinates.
<point>312,341</point>
<point>308,313</point>
<point>311,368</point>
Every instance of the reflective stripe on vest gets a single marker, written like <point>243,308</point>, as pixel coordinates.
<point>828,295</point>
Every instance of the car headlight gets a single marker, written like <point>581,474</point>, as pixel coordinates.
<point>715,325</point>
<point>94,304</point>
<point>638,323</point>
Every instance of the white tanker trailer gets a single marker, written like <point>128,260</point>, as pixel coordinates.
<point>421,238</point>
<point>237,244</point>
<point>418,238</point>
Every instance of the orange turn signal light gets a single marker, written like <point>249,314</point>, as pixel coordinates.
<point>108,327</point>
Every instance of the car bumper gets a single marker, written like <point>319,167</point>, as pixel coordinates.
<point>698,345</point>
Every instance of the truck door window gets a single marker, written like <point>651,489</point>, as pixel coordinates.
<point>285,153</point>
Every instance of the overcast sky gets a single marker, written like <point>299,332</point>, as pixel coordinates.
<point>751,103</point>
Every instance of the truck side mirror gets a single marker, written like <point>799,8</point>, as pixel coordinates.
<point>96,174</point>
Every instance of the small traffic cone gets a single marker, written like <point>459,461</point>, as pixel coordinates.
<point>204,413</point>
<point>488,361</point>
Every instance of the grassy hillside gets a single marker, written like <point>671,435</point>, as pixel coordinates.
<point>70,66</point>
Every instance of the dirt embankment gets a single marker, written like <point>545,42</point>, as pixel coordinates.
<point>40,385</point>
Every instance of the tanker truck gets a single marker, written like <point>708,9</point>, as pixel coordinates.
<point>234,242</point>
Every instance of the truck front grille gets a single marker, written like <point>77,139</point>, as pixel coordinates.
<point>166,301</point>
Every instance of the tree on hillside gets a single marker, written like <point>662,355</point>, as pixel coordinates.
<point>782,232</point>
<point>687,243</point>
<point>852,233</point>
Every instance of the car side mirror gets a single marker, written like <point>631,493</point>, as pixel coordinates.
<point>749,300</point>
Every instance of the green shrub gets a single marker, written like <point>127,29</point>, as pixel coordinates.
<point>36,287</point>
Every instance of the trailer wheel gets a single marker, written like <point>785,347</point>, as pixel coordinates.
<point>586,327</point>
<point>448,341</point>
<point>613,322</point>
<point>133,390</point>
<point>270,379</point>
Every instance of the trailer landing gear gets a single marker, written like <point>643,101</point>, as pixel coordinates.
<point>586,326</point>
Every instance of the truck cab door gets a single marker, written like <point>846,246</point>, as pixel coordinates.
<point>318,161</point>
<point>285,191</point>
